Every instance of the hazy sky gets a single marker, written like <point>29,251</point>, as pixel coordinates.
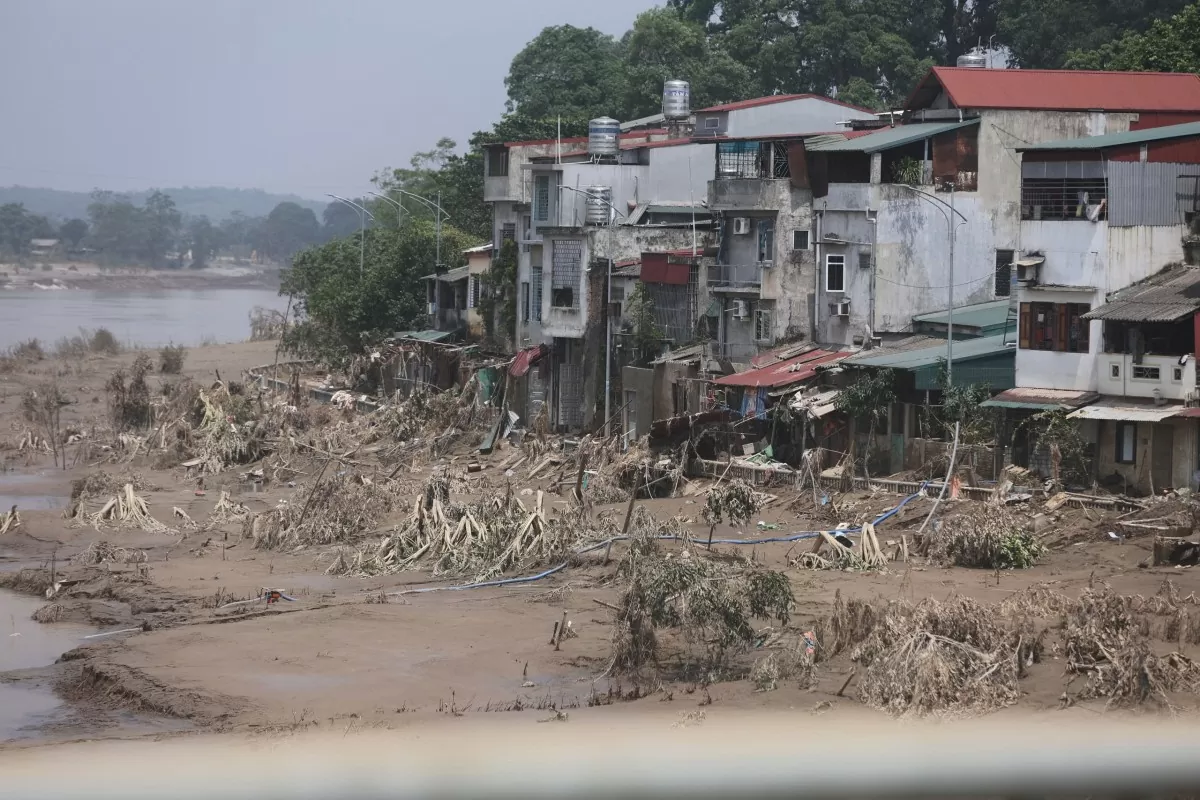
<point>304,96</point>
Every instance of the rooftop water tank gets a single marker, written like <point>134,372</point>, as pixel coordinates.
<point>677,100</point>
<point>598,205</point>
<point>976,59</point>
<point>604,137</point>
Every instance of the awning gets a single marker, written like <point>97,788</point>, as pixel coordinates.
<point>1040,399</point>
<point>1032,261</point>
<point>527,358</point>
<point>783,373</point>
<point>1126,412</point>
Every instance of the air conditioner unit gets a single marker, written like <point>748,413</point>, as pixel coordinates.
<point>840,308</point>
<point>741,226</point>
<point>1029,269</point>
<point>741,309</point>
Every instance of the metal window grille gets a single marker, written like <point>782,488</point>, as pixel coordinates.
<point>738,160</point>
<point>541,198</point>
<point>565,268</point>
<point>508,231</point>
<point>536,279</point>
<point>525,301</point>
<point>1004,260</point>
<point>781,166</point>
<point>864,259</point>
<point>570,387</point>
<point>763,328</point>
<point>800,240</point>
<point>472,291</point>
<point>1063,198</point>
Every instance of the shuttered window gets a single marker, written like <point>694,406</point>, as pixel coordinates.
<point>1054,326</point>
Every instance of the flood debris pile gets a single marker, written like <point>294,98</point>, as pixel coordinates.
<point>986,537</point>
<point>104,552</point>
<point>934,657</point>
<point>480,540</point>
<point>704,604</point>
<point>1108,644</point>
<point>337,510</point>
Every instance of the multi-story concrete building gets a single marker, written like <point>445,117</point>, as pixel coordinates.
<point>1107,296</point>
<point>885,203</point>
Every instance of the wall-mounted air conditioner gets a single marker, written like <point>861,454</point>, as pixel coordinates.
<point>741,226</point>
<point>1029,269</point>
<point>741,309</point>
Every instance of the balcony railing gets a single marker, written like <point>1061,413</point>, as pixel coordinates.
<point>735,277</point>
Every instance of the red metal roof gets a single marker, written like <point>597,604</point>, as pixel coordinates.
<point>527,358</point>
<point>780,98</point>
<point>1060,90</point>
<point>793,370</point>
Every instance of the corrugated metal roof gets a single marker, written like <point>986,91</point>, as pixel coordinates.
<point>779,98</point>
<point>793,370</point>
<point>1119,410</point>
<point>1040,399</point>
<point>976,315</point>
<point>1145,192</point>
<point>888,138</point>
<point>425,336</point>
<point>483,248</point>
<point>1171,295</point>
<point>1061,90</point>
<point>929,355</point>
<point>816,405</point>
<point>1119,139</point>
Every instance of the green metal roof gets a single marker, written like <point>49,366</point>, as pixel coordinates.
<point>964,350</point>
<point>987,318</point>
<point>887,138</point>
<point>1119,139</point>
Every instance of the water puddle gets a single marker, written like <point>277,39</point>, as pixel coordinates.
<point>25,644</point>
<point>31,491</point>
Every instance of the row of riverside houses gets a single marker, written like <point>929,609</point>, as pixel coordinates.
<point>785,240</point>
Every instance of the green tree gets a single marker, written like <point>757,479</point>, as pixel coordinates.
<point>288,229</point>
<point>663,45</point>
<point>1171,45</point>
<point>339,219</point>
<point>117,227</point>
<point>160,227</point>
<point>566,71</point>
<point>499,305</point>
<point>16,228</point>
<point>1051,34</point>
<point>860,92</point>
<point>203,239</point>
<point>645,335</point>
<point>342,310</point>
<point>73,231</point>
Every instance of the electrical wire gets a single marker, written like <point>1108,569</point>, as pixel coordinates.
<point>943,286</point>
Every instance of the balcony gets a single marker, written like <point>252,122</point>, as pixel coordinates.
<point>749,194</point>
<point>739,279</point>
<point>1156,376</point>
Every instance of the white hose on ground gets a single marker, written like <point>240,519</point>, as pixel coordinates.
<point>945,483</point>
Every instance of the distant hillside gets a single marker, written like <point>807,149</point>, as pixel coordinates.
<point>214,202</point>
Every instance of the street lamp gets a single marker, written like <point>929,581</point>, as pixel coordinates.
<point>951,232</point>
<point>400,209</point>
<point>440,217</point>
<point>362,235</point>
<point>607,313</point>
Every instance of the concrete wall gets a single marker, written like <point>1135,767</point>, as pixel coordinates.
<point>625,180</point>
<point>679,174</point>
<point>805,115</point>
<point>515,186</point>
<point>911,257</point>
<point>641,382</point>
<point>1181,461</point>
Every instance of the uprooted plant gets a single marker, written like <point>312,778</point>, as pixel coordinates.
<point>337,510</point>
<point>734,503</point>
<point>991,540</point>
<point>709,604</point>
<point>42,407</point>
<point>129,395</point>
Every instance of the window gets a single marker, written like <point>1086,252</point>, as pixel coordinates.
<point>508,231</point>
<point>763,331</point>
<point>541,198</point>
<point>766,241</point>
<point>1115,370</point>
<point>497,163</point>
<point>472,291</point>
<point>618,294</point>
<point>1177,374</point>
<point>526,225</point>
<point>1140,373</point>
<point>1063,198</point>
<point>524,301</point>
<point>712,123</point>
<point>1004,260</point>
<point>835,272</point>
<point>864,259</point>
<point>1126,442</point>
<point>800,240</point>
<point>565,269</point>
<point>535,278</point>
<point>1054,326</point>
